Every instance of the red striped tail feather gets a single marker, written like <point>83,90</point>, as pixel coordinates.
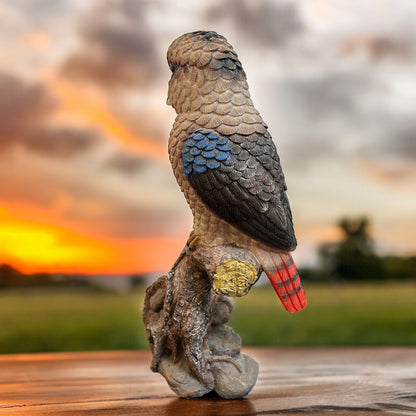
<point>284,277</point>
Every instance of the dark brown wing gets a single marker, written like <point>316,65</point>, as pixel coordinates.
<point>240,178</point>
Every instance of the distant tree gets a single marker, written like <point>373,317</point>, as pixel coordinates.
<point>354,256</point>
<point>9,276</point>
<point>400,267</point>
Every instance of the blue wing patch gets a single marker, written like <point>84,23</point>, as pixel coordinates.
<point>204,150</point>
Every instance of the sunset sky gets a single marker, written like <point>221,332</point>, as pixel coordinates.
<point>86,185</point>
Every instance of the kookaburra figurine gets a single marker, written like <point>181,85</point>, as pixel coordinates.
<point>227,166</point>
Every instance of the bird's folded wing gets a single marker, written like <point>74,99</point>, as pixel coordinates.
<point>240,179</point>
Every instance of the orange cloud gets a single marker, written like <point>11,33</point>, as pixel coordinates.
<point>147,254</point>
<point>377,47</point>
<point>397,174</point>
<point>34,247</point>
<point>317,233</point>
<point>90,106</point>
<point>38,40</point>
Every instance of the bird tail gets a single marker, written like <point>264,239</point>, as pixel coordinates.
<point>284,277</point>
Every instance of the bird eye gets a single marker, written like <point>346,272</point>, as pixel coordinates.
<point>173,67</point>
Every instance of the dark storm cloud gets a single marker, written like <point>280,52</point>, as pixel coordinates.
<point>337,100</point>
<point>41,14</point>
<point>391,154</point>
<point>402,139</point>
<point>326,95</point>
<point>126,164</point>
<point>24,111</point>
<point>61,141</point>
<point>328,116</point>
<point>40,10</point>
<point>117,46</point>
<point>263,22</point>
<point>395,138</point>
<point>21,105</point>
<point>319,112</point>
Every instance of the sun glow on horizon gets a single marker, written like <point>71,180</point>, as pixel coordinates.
<point>40,247</point>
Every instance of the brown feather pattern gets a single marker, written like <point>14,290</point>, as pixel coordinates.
<point>209,91</point>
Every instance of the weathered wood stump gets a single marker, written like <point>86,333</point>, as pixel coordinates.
<point>185,315</point>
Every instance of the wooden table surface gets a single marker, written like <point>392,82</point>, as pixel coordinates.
<point>311,381</point>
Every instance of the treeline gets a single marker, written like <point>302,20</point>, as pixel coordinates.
<point>11,277</point>
<point>354,257</point>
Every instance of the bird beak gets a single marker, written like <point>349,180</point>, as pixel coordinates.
<point>168,101</point>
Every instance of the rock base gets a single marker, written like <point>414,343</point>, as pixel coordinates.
<point>185,322</point>
<point>235,373</point>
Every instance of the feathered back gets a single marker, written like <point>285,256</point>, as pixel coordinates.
<point>209,87</point>
<point>204,49</point>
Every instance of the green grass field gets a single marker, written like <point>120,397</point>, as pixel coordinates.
<point>337,314</point>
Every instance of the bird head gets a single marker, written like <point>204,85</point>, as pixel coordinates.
<point>198,60</point>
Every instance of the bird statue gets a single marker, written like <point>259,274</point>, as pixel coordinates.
<point>227,166</point>
<point>226,163</point>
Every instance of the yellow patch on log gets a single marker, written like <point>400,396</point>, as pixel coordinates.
<point>234,278</point>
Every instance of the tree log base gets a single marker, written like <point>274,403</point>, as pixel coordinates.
<point>185,321</point>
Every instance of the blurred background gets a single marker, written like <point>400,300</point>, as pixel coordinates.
<point>90,212</point>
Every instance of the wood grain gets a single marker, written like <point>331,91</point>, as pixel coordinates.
<point>315,381</point>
